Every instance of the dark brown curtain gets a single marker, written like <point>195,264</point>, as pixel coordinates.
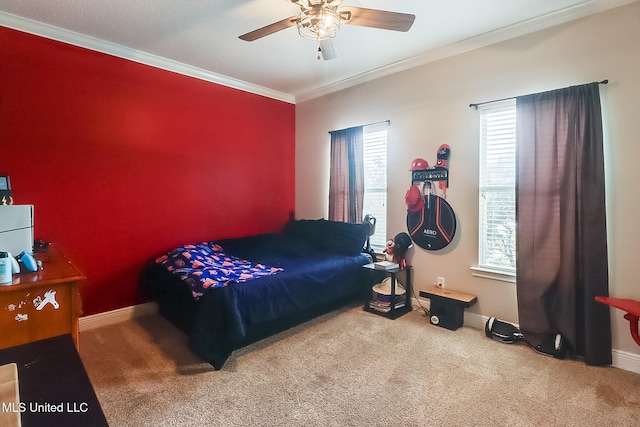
<point>346,179</point>
<point>560,207</point>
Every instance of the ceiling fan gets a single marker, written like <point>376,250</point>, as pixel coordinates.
<point>320,20</point>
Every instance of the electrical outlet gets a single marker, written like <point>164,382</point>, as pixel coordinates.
<point>440,282</point>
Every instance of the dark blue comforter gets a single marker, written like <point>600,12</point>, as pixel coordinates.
<point>313,280</point>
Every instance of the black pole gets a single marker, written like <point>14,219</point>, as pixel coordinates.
<point>603,82</point>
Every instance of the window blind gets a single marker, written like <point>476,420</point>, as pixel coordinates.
<point>375,180</point>
<point>497,219</point>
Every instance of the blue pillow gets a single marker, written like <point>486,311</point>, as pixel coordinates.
<point>330,236</point>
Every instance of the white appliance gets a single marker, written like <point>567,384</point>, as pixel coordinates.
<point>16,229</point>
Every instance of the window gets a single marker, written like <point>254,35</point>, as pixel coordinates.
<point>375,180</point>
<point>497,226</point>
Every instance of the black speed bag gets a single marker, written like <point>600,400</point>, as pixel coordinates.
<point>432,227</point>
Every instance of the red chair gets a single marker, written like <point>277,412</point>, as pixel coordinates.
<point>632,307</point>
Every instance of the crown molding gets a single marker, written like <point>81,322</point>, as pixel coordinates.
<point>542,22</point>
<point>581,10</point>
<point>92,43</point>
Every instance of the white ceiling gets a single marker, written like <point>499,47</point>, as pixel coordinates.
<point>200,37</point>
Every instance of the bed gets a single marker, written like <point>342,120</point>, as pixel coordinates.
<point>229,293</point>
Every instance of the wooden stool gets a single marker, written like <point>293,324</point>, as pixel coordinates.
<point>447,306</point>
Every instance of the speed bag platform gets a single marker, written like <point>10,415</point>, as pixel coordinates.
<point>432,227</point>
<point>447,306</point>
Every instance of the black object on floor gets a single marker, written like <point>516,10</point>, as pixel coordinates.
<point>54,387</point>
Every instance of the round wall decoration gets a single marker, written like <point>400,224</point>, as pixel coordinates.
<point>434,226</point>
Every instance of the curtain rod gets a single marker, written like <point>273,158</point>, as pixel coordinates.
<point>603,82</point>
<point>369,124</point>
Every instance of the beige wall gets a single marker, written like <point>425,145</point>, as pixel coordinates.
<point>429,106</point>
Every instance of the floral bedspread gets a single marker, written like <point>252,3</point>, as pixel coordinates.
<point>206,265</point>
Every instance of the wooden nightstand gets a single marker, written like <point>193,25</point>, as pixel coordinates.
<point>41,304</point>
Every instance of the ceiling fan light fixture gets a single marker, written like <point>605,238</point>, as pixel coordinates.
<point>318,23</point>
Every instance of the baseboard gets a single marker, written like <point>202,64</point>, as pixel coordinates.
<point>476,321</point>
<point>625,360</point>
<point>116,316</point>
<point>620,359</point>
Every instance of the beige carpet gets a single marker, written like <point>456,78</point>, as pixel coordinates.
<point>350,368</point>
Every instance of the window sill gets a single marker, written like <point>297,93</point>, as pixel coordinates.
<point>487,273</point>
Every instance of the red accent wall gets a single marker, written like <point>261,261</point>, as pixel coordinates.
<point>124,161</point>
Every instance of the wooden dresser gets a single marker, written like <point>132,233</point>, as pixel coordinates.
<point>41,304</point>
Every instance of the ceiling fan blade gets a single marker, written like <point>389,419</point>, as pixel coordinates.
<point>269,29</point>
<point>377,18</point>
